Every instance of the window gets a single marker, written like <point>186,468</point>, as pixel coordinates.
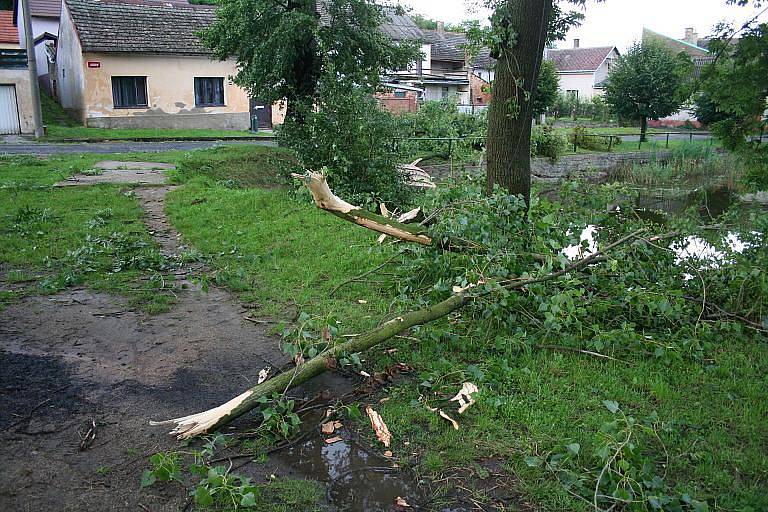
<point>399,94</point>
<point>209,92</point>
<point>129,91</point>
<point>573,94</point>
<point>445,92</point>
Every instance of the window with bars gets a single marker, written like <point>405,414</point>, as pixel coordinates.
<point>129,91</point>
<point>209,91</point>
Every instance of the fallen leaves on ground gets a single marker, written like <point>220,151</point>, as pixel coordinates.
<point>330,427</point>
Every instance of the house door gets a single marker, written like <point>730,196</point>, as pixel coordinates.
<point>262,112</point>
<point>9,110</point>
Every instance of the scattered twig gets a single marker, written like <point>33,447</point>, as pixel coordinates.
<point>562,348</point>
<point>365,274</point>
<point>90,436</point>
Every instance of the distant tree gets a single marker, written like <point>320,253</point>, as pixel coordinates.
<point>283,51</point>
<point>707,111</point>
<point>648,82</point>
<point>546,89</point>
<point>735,87</point>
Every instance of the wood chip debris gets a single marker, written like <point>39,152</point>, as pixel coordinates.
<point>379,427</point>
<point>332,440</point>
<point>400,502</point>
<point>263,375</point>
<point>329,427</point>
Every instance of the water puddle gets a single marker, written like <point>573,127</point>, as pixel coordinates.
<point>356,479</point>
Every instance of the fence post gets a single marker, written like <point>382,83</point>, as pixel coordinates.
<point>610,143</point>
<point>690,137</point>
<point>640,141</point>
<point>667,140</point>
<point>575,141</point>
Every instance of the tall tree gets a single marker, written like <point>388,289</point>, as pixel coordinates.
<point>648,82</point>
<point>518,32</point>
<point>285,48</point>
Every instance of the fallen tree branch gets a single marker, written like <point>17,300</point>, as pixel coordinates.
<point>207,421</point>
<point>328,201</point>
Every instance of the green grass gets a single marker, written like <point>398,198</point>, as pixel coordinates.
<point>57,237</point>
<point>61,127</point>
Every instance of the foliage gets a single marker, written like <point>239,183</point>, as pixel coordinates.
<point>284,50</point>
<point>279,419</point>
<point>166,467</point>
<point>736,85</point>
<point>649,81</point>
<point>570,105</point>
<point>348,134</point>
<point>581,137</point>
<point>546,89</point>
<point>547,142</point>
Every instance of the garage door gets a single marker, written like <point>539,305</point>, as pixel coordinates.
<point>9,110</point>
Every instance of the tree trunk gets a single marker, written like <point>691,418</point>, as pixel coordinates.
<point>643,129</point>
<point>508,142</point>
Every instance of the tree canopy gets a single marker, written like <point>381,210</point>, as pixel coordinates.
<point>284,49</point>
<point>547,88</point>
<point>648,82</point>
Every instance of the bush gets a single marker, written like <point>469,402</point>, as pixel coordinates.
<point>349,134</point>
<point>585,140</point>
<point>547,142</point>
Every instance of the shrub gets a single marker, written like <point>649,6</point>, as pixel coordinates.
<point>585,140</point>
<point>350,135</point>
<point>547,142</point>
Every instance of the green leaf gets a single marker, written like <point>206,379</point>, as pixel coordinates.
<point>249,500</point>
<point>573,448</point>
<point>203,496</point>
<point>611,405</point>
<point>148,478</point>
<point>534,462</point>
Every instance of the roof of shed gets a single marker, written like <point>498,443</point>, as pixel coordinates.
<point>8,32</point>
<point>140,27</point>
<point>579,59</point>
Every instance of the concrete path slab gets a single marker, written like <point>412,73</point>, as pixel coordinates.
<point>133,166</point>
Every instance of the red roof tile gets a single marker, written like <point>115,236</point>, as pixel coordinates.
<point>8,32</point>
<point>579,59</point>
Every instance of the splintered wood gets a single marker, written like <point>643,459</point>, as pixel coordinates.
<point>415,176</point>
<point>379,427</point>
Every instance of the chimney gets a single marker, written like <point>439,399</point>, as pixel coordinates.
<point>691,36</point>
<point>440,27</point>
<point>576,43</point>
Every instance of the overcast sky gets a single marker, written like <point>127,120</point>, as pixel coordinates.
<point>615,22</point>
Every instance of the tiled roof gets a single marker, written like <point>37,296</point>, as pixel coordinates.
<point>42,8</point>
<point>140,27</point>
<point>8,32</point>
<point>579,59</point>
<point>450,47</point>
<point>398,26</point>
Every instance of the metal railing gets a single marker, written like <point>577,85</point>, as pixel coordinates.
<point>617,137</point>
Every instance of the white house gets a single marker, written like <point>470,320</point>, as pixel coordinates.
<point>582,71</point>
<point>45,32</point>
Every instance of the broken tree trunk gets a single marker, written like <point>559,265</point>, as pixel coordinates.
<point>210,420</point>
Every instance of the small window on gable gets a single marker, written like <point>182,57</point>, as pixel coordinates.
<point>129,91</point>
<point>445,92</point>
<point>209,91</point>
<point>399,94</point>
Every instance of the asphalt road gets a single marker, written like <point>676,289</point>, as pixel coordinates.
<point>44,148</point>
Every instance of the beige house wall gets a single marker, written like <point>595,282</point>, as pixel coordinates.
<point>69,68</point>
<point>170,92</point>
<point>20,79</point>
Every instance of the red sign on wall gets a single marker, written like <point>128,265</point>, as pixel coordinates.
<point>94,64</point>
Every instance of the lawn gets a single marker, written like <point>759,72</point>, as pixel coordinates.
<point>61,127</point>
<point>284,257</point>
